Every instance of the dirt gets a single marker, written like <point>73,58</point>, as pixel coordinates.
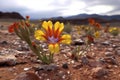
<point>96,65</point>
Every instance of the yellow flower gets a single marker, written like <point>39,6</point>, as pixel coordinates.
<point>112,29</point>
<point>97,34</point>
<point>52,35</point>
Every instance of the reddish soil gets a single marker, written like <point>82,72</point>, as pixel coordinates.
<point>88,68</point>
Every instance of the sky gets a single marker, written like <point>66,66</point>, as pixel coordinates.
<point>53,8</point>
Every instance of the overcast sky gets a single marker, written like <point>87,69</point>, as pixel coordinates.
<point>53,8</point>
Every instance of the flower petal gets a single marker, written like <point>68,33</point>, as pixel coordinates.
<point>59,26</point>
<point>39,35</point>
<point>45,25</point>
<point>50,24</point>
<point>54,48</point>
<point>66,39</point>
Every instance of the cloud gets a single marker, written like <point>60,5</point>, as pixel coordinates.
<point>52,8</point>
<point>110,6</point>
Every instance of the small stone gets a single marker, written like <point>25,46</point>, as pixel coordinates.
<point>101,73</point>
<point>60,74</point>
<point>65,66</point>
<point>109,66</point>
<point>110,49</point>
<point>101,60</point>
<point>78,42</point>
<point>26,69</point>
<point>77,66</point>
<point>63,76</point>
<point>114,46</point>
<point>111,60</point>
<point>107,43</point>
<point>117,52</point>
<point>108,53</point>
<point>27,76</point>
<point>8,62</point>
<point>4,42</point>
<point>72,61</point>
<point>68,72</point>
<point>85,61</point>
<point>23,48</point>
<point>51,67</point>
<point>94,64</point>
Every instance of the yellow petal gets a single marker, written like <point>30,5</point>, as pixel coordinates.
<point>59,26</point>
<point>66,39</point>
<point>39,35</point>
<point>50,24</point>
<point>54,48</point>
<point>45,25</point>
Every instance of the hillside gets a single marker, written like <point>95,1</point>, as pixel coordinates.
<point>10,15</point>
<point>83,18</point>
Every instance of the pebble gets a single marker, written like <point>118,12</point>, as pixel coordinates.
<point>117,52</point>
<point>51,67</point>
<point>95,64</point>
<point>4,43</point>
<point>26,69</point>
<point>99,72</point>
<point>85,61</point>
<point>27,76</point>
<point>108,53</point>
<point>111,60</point>
<point>23,48</point>
<point>8,62</point>
<point>110,49</point>
<point>65,66</point>
<point>107,43</point>
<point>72,61</point>
<point>78,42</point>
<point>78,66</point>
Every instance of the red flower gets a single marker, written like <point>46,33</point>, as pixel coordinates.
<point>12,27</point>
<point>90,39</point>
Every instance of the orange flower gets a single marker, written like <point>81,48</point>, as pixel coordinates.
<point>27,17</point>
<point>91,21</point>
<point>12,27</point>
<point>98,26</point>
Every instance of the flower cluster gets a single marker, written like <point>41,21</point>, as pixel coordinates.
<point>94,31</point>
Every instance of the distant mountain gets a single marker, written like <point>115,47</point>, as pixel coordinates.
<point>12,15</point>
<point>83,18</point>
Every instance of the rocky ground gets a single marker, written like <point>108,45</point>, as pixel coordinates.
<point>102,62</point>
